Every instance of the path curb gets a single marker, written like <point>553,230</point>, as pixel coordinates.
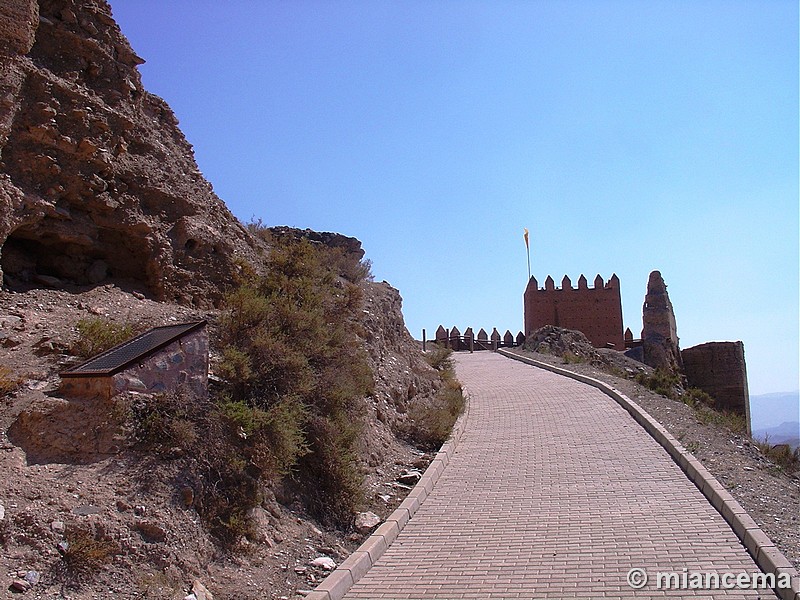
<point>764,552</point>
<point>355,566</point>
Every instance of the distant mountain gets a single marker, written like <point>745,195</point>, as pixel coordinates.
<point>785,433</point>
<point>772,410</point>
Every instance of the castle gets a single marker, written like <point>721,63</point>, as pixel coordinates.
<point>596,311</point>
<point>717,368</point>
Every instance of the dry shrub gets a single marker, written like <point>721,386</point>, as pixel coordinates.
<point>695,397</point>
<point>431,419</point>
<point>781,455</point>
<point>440,358</point>
<point>161,422</point>
<point>178,424</point>
<point>87,552</point>
<point>296,375</point>
<point>96,335</point>
<point>662,382</point>
<point>291,405</point>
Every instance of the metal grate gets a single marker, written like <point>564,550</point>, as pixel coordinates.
<point>126,353</point>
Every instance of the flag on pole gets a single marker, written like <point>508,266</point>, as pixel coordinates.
<point>528,247</point>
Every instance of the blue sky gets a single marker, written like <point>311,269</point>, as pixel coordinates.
<point>626,135</point>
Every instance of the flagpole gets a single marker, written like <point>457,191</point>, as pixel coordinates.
<point>528,247</point>
<point>529,263</point>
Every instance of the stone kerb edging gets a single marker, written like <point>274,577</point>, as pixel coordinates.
<point>764,552</point>
<point>355,566</point>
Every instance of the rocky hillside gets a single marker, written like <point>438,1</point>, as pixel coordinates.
<point>97,181</point>
<point>105,216</point>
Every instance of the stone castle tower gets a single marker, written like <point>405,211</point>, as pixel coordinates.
<point>596,311</point>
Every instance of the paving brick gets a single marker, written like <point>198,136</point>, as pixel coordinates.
<point>553,491</point>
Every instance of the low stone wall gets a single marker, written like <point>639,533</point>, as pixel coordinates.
<point>86,387</point>
<point>184,362</point>
<point>719,369</point>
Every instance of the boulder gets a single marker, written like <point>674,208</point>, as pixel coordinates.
<point>409,477</point>
<point>324,562</point>
<point>366,521</point>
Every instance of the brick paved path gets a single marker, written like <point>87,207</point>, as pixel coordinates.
<point>553,492</point>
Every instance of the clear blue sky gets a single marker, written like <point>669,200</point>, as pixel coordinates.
<point>626,135</point>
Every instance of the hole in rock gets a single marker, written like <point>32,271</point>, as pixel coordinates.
<point>32,254</point>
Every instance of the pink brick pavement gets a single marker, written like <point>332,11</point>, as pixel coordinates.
<point>553,492</point>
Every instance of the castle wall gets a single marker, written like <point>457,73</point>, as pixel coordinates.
<point>719,369</point>
<point>595,311</point>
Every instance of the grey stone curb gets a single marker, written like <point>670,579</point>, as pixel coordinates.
<point>764,552</point>
<point>355,566</point>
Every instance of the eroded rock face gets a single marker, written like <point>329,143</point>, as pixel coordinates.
<point>659,332</point>
<point>401,373</point>
<point>97,181</point>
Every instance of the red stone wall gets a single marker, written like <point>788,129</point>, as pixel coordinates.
<point>595,311</point>
<point>719,369</point>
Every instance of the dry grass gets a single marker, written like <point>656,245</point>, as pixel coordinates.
<point>97,335</point>
<point>781,455</point>
<point>86,553</point>
<point>9,381</point>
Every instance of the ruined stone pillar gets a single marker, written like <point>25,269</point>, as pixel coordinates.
<point>660,332</point>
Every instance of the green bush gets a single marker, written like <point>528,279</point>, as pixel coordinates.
<point>661,382</point>
<point>96,335</point>
<point>296,376</point>
<point>277,434</point>
<point>440,358</point>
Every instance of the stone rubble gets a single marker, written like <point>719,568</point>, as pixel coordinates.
<point>409,477</point>
<point>366,521</point>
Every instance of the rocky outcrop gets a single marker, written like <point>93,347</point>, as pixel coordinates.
<point>659,332</point>
<point>401,373</point>
<point>97,181</point>
<point>566,343</point>
<point>350,245</point>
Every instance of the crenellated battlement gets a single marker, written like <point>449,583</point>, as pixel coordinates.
<point>596,311</point>
<point>566,284</point>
